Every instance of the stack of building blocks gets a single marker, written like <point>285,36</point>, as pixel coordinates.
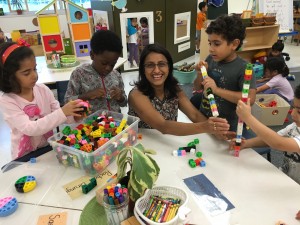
<point>245,94</point>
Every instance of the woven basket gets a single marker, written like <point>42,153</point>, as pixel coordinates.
<point>269,20</point>
<point>255,22</point>
<point>165,191</point>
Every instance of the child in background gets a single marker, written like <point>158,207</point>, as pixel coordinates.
<point>277,49</point>
<point>132,31</point>
<point>287,139</point>
<point>30,109</point>
<point>225,69</point>
<point>201,19</point>
<point>98,82</point>
<point>144,34</point>
<point>276,70</point>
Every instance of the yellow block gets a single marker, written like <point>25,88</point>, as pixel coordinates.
<point>49,25</point>
<point>15,35</point>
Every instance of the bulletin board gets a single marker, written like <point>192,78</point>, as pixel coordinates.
<point>283,10</point>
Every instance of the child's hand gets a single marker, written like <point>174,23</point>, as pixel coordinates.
<point>73,108</point>
<point>116,94</point>
<point>200,64</point>
<point>232,144</point>
<point>98,93</point>
<point>243,110</point>
<point>298,215</point>
<point>209,83</point>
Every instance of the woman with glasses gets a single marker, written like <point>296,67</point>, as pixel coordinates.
<point>157,97</point>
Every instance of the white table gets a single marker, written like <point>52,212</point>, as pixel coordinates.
<point>260,192</point>
<point>49,76</point>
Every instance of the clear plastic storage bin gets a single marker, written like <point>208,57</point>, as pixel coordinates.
<point>96,161</point>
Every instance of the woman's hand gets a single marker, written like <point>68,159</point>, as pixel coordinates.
<point>218,127</point>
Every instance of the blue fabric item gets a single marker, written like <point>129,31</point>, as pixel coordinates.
<point>131,29</point>
<point>216,3</point>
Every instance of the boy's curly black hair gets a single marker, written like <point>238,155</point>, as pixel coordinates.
<point>229,27</point>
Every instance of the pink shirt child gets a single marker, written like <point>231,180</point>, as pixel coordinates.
<point>28,120</point>
<point>282,85</point>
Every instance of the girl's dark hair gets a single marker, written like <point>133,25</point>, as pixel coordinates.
<point>171,84</point>
<point>106,40</point>
<point>229,27</point>
<point>277,63</point>
<point>278,46</point>
<point>8,69</point>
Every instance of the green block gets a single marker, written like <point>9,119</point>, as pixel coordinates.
<point>68,46</point>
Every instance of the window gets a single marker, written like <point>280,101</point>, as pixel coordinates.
<point>35,5</point>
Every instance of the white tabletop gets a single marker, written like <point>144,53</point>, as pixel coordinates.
<point>260,192</point>
<point>29,214</point>
<point>48,76</point>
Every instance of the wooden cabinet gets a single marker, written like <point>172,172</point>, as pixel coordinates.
<point>257,39</point>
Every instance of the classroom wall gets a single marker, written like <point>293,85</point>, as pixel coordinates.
<point>17,22</point>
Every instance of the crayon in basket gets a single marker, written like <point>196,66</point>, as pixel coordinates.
<point>245,94</point>
<point>210,95</point>
<point>161,209</point>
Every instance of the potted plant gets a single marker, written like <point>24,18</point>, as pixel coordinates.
<point>17,5</point>
<point>143,170</point>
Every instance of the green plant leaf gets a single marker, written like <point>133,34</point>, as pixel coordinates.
<point>133,194</point>
<point>150,151</point>
<point>135,185</point>
<point>145,172</point>
<point>122,163</point>
<point>155,164</point>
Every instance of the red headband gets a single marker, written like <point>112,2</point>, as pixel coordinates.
<point>10,49</point>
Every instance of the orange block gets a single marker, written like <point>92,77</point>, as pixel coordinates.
<point>81,31</point>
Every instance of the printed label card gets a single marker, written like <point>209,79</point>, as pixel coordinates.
<point>74,189</point>
<point>53,219</point>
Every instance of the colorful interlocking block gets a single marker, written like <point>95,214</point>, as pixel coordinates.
<point>25,184</point>
<point>8,205</point>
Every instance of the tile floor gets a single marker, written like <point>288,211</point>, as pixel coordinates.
<point>129,77</point>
